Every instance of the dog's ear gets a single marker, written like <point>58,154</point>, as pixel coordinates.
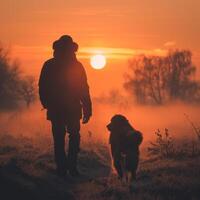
<point>109,126</point>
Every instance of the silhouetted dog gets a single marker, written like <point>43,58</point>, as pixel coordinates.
<point>125,141</point>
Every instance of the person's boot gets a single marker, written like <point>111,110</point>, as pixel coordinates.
<point>62,167</point>
<point>61,172</point>
<point>73,171</point>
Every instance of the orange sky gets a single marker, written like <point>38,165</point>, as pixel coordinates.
<point>119,28</point>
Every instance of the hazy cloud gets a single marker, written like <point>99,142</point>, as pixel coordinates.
<point>86,52</point>
<point>170,44</point>
<point>118,53</point>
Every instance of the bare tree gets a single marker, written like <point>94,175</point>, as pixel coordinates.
<point>158,79</point>
<point>181,69</point>
<point>9,81</point>
<point>13,86</point>
<point>27,90</point>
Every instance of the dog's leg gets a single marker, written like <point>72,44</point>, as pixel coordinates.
<point>124,168</point>
<point>133,175</point>
<point>118,167</point>
<point>132,185</point>
<point>126,175</point>
<point>116,155</point>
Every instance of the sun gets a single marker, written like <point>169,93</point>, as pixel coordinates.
<point>98,61</point>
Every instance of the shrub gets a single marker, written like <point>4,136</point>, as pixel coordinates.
<point>163,145</point>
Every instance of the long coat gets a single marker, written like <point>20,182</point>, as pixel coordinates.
<point>63,89</point>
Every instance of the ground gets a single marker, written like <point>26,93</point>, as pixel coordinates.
<point>27,172</point>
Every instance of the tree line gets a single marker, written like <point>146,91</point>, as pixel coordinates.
<point>161,79</point>
<point>15,89</point>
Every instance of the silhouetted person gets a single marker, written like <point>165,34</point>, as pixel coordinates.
<point>64,92</point>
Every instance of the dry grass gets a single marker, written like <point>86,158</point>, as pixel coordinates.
<point>165,146</point>
<point>27,172</point>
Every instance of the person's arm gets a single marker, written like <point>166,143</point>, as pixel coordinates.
<point>85,97</point>
<point>43,86</point>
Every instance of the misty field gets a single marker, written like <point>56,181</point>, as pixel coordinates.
<point>27,172</point>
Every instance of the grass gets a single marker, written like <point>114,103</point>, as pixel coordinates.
<point>165,146</point>
<point>27,172</point>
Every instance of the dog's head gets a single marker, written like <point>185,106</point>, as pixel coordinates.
<point>118,123</point>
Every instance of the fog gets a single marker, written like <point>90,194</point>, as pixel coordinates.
<point>32,122</point>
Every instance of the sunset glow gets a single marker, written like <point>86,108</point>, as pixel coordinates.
<point>100,99</point>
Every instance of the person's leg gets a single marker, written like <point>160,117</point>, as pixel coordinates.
<point>59,132</point>
<point>73,128</point>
